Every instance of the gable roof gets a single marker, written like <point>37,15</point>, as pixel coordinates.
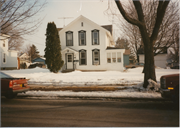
<point>105,27</point>
<point>23,54</point>
<point>70,49</point>
<point>110,48</point>
<point>108,27</point>
<point>59,29</point>
<point>39,58</point>
<point>4,35</point>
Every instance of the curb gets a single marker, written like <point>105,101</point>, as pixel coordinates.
<point>93,98</point>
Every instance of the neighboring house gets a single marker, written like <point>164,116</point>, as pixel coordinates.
<point>24,58</point>
<point>160,60</point>
<point>87,46</point>
<point>8,58</point>
<point>40,60</point>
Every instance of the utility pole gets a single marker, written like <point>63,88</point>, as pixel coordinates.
<point>64,19</point>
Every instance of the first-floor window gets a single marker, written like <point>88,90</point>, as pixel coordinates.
<point>4,58</point>
<point>96,57</point>
<point>114,57</point>
<point>118,57</point>
<point>109,57</point>
<point>82,57</point>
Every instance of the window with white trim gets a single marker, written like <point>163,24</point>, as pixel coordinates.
<point>69,38</point>
<point>3,43</point>
<point>4,58</point>
<point>109,57</point>
<point>82,37</point>
<point>118,57</point>
<point>95,37</point>
<point>82,57</point>
<point>96,57</point>
<point>114,57</point>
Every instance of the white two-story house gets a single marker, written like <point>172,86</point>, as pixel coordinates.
<point>8,58</point>
<point>87,46</point>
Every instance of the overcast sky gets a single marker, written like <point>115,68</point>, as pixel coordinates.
<point>55,10</point>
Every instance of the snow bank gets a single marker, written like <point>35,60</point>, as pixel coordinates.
<point>111,94</point>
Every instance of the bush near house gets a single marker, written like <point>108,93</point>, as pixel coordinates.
<point>23,66</point>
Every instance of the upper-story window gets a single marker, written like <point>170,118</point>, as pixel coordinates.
<point>81,24</point>
<point>3,43</point>
<point>96,57</point>
<point>69,38</point>
<point>95,37</point>
<point>82,37</point>
<point>82,57</point>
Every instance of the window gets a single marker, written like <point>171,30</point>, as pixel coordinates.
<point>3,43</point>
<point>82,37</point>
<point>69,58</point>
<point>95,37</point>
<point>69,38</point>
<point>109,57</point>
<point>96,57</point>
<point>82,57</point>
<point>118,57</point>
<point>114,57</point>
<point>4,58</point>
<point>82,24</point>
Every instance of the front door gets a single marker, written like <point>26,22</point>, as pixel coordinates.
<point>69,60</point>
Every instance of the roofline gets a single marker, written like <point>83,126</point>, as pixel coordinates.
<point>81,16</point>
<point>4,35</point>
<point>69,48</point>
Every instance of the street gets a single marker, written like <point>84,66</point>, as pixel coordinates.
<point>22,112</point>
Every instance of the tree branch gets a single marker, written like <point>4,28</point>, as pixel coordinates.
<point>126,16</point>
<point>160,14</point>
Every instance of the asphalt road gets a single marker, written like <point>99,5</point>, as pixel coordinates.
<point>88,113</point>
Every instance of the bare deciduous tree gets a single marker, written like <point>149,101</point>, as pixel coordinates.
<point>166,31</point>
<point>18,16</point>
<point>15,43</point>
<point>149,20</point>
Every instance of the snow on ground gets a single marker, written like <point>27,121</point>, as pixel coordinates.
<point>132,78</point>
<point>78,78</point>
<point>99,94</point>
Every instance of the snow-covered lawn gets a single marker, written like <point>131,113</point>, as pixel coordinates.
<point>131,78</point>
<point>78,78</point>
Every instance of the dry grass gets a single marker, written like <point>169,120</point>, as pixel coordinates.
<point>77,89</point>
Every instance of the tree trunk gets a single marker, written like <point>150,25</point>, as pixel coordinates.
<point>149,68</point>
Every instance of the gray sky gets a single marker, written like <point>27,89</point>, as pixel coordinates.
<point>55,9</point>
